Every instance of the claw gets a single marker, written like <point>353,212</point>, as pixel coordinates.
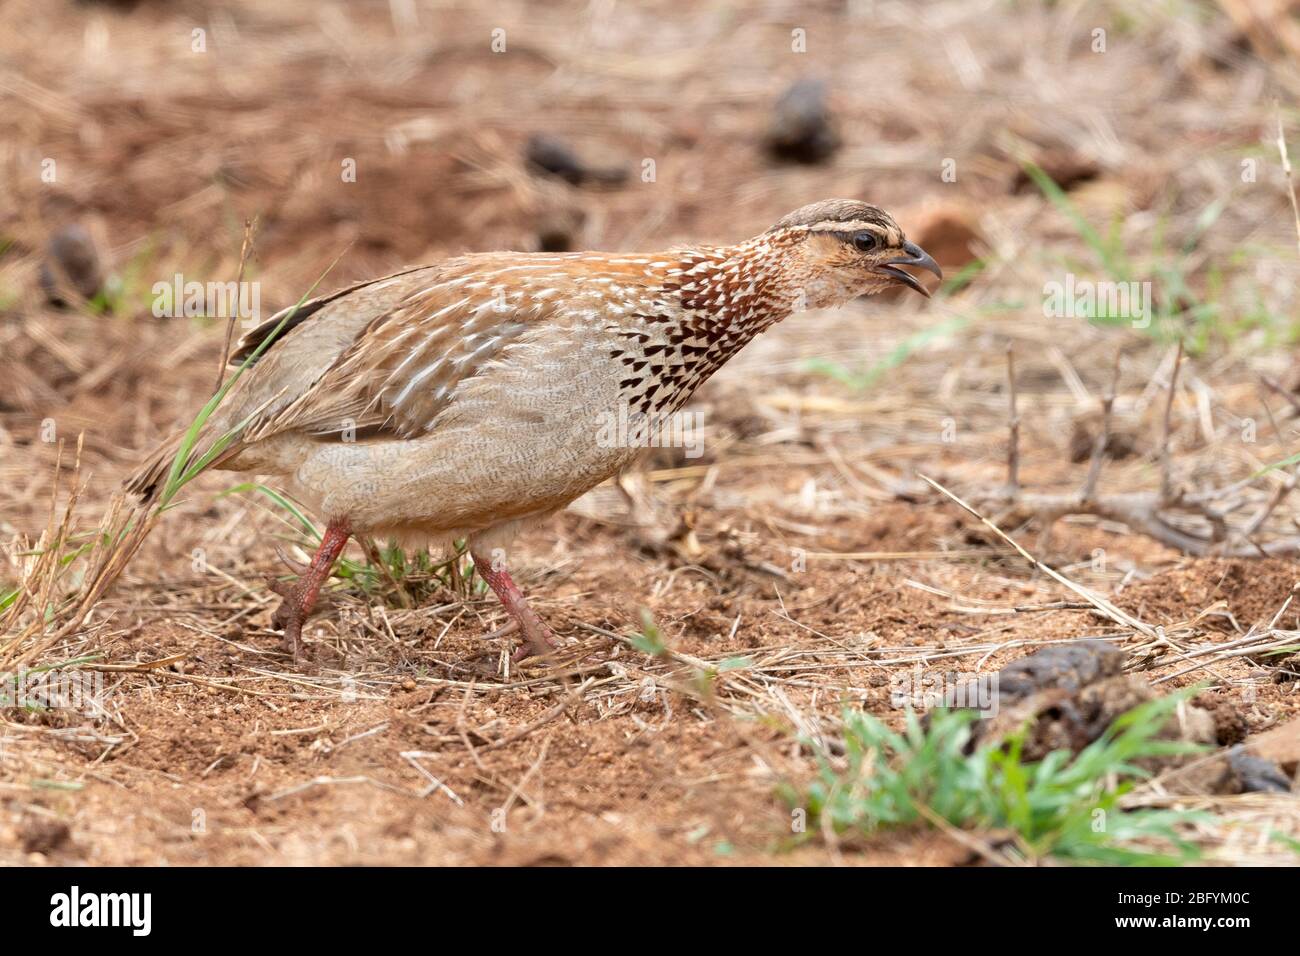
<point>537,646</point>
<point>282,588</point>
<point>297,567</point>
<point>292,641</point>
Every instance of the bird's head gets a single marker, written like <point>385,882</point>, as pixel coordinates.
<point>841,249</point>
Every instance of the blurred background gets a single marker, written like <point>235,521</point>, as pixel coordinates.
<point>140,137</point>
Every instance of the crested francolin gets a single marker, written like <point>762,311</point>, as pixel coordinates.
<point>464,399</point>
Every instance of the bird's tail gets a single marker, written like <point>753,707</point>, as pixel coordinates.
<point>150,479</point>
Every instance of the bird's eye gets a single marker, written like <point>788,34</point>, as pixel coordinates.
<point>865,241</point>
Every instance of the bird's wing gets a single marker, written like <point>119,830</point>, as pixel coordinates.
<point>404,367</point>
<point>294,315</point>
<point>288,367</point>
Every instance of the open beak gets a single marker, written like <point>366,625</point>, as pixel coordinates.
<point>916,256</point>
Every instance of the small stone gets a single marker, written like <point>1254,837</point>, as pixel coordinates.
<point>550,154</point>
<point>40,836</point>
<point>71,268</point>
<point>1230,727</point>
<point>558,229</point>
<point>1280,745</point>
<point>947,230</point>
<point>1086,429</point>
<point>1064,666</point>
<point>801,130</point>
<point>1065,167</point>
<point>1257,775</point>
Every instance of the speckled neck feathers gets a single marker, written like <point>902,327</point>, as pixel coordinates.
<point>711,302</point>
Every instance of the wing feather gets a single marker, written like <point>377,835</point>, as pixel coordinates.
<point>406,365</point>
<point>249,342</point>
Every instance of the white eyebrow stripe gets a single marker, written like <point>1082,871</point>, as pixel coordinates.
<point>848,226</point>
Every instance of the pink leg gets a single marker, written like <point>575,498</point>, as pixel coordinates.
<point>300,598</point>
<point>539,641</point>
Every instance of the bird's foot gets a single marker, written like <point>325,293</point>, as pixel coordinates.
<point>290,616</point>
<point>300,597</point>
<point>539,640</point>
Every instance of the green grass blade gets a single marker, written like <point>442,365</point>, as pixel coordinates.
<point>178,475</point>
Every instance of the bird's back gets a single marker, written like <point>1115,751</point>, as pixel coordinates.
<point>390,358</point>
